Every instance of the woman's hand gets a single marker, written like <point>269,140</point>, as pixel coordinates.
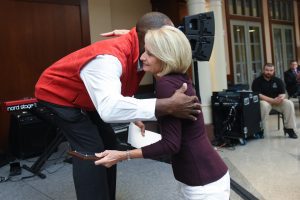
<point>109,158</point>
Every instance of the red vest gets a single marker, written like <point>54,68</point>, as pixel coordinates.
<point>61,83</point>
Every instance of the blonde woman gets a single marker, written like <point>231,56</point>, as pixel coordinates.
<point>199,170</point>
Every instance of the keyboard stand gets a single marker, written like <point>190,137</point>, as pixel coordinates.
<point>38,164</point>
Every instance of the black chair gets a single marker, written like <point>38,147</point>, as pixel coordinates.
<point>295,96</point>
<point>279,115</point>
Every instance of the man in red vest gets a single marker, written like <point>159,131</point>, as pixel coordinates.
<point>93,86</point>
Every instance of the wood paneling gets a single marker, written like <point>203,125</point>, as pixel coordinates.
<point>34,34</point>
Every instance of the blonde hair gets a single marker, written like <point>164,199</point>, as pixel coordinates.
<point>171,47</point>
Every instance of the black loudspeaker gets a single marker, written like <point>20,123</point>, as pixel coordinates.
<point>236,115</point>
<point>201,24</point>
<point>200,31</point>
<point>201,46</point>
<point>29,136</point>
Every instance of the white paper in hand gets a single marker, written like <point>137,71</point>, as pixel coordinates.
<point>136,139</point>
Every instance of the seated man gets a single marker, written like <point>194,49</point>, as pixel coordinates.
<point>272,96</point>
<point>292,79</point>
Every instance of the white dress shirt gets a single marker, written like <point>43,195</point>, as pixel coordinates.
<point>101,77</point>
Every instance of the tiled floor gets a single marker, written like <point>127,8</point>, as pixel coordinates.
<point>269,168</point>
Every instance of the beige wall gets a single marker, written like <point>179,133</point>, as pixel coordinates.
<point>100,18</point>
<point>107,15</point>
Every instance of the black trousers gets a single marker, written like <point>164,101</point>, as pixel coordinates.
<point>86,132</point>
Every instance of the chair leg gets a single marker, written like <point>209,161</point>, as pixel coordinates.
<point>278,116</point>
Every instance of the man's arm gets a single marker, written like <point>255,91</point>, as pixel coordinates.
<point>117,32</point>
<point>281,91</point>
<point>102,80</point>
<point>101,77</point>
<point>273,101</point>
<point>179,105</point>
<point>266,98</point>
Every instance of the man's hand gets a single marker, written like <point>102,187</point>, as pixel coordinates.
<point>185,106</point>
<point>141,125</point>
<point>278,100</point>
<point>179,105</point>
<point>117,32</point>
<point>274,101</point>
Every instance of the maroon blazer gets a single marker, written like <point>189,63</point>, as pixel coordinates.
<point>194,161</point>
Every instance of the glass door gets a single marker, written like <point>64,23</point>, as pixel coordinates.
<point>284,50</point>
<point>246,50</point>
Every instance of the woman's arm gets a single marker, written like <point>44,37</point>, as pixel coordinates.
<point>169,144</point>
<point>109,158</point>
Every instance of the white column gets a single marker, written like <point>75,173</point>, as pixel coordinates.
<point>267,31</point>
<point>297,29</point>
<point>196,7</point>
<point>217,60</point>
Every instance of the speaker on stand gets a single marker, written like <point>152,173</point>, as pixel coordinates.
<point>28,135</point>
<point>200,31</point>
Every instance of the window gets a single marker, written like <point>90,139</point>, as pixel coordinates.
<point>245,7</point>
<point>247,51</point>
<point>281,10</point>
<point>246,39</point>
<point>283,42</point>
<point>282,21</point>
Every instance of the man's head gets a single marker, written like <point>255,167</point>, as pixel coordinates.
<point>151,20</point>
<point>293,64</point>
<point>268,71</point>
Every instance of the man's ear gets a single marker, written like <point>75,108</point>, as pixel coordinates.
<point>141,38</point>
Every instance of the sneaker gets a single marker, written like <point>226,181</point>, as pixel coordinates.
<point>290,132</point>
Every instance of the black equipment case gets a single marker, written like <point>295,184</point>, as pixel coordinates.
<point>236,115</point>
